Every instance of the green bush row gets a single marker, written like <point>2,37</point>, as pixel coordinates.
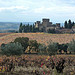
<point>21,44</point>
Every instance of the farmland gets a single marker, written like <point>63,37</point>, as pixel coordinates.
<point>39,37</point>
<point>3,34</point>
<point>38,65</point>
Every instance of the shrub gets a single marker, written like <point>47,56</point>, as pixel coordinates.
<point>42,48</point>
<point>12,49</point>
<point>24,41</point>
<point>33,43</point>
<point>62,47</point>
<point>52,48</point>
<point>71,46</point>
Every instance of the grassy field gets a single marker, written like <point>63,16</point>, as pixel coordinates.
<point>40,37</point>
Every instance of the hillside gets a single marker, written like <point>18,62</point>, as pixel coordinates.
<point>40,37</point>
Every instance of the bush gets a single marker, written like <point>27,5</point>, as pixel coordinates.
<point>62,47</point>
<point>52,48</point>
<point>42,48</point>
<point>24,41</point>
<point>71,46</point>
<point>33,44</point>
<point>12,49</point>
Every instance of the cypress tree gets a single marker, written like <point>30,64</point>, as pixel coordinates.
<point>20,28</point>
<point>69,24</point>
<point>65,24</point>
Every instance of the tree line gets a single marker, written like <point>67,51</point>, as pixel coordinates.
<point>23,45</point>
<point>68,24</point>
<point>31,28</point>
<point>27,28</point>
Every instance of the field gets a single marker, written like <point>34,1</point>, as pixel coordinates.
<point>40,37</point>
<point>38,65</point>
<point>3,34</point>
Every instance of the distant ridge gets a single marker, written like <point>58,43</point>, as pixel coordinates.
<point>12,25</point>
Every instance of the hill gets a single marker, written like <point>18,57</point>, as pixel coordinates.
<point>40,37</point>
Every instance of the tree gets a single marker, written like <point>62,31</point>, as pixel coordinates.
<point>12,49</point>
<point>52,48</point>
<point>24,41</point>
<point>30,28</point>
<point>69,24</point>
<point>65,24</point>
<point>62,47</point>
<point>42,48</point>
<point>71,46</point>
<point>73,24</point>
<point>33,28</point>
<point>33,44</point>
<point>20,28</point>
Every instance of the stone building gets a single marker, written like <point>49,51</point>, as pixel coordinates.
<point>46,25</point>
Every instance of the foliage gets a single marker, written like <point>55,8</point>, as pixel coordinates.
<point>20,28</point>
<point>65,24</point>
<point>12,49</point>
<point>68,24</point>
<point>23,40</point>
<point>71,46</point>
<point>42,48</point>
<point>27,28</point>
<point>62,46</point>
<point>52,48</point>
<point>33,44</point>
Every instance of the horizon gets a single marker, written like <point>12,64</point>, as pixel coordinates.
<point>31,11</point>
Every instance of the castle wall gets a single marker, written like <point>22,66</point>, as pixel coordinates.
<point>45,25</point>
<point>45,20</point>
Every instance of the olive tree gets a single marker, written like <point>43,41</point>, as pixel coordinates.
<point>12,49</point>
<point>52,48</point>
<point>71,46</point>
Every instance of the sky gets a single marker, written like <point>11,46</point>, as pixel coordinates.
<point>35,10</point>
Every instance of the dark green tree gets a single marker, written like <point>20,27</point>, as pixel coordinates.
<point>69,24</point>
<point>52,48</point>
<point>33,43</point>
<point>30,28</point>
<point>73,24</point>
<point>42,48</point>
<point>65,24</point>
<point>24,41</point>
<point>12,49</point>
<point>20,28</point>
<point>71,46</point>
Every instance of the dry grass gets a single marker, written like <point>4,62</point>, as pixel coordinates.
<point>40,37</point>
<point>3,34</point>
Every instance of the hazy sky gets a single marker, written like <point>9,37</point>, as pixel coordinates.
<point>33,10</point>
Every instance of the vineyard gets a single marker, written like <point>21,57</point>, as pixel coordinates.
<point>39,37</point>
<point>38,65</point>
<point>3,34</point>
